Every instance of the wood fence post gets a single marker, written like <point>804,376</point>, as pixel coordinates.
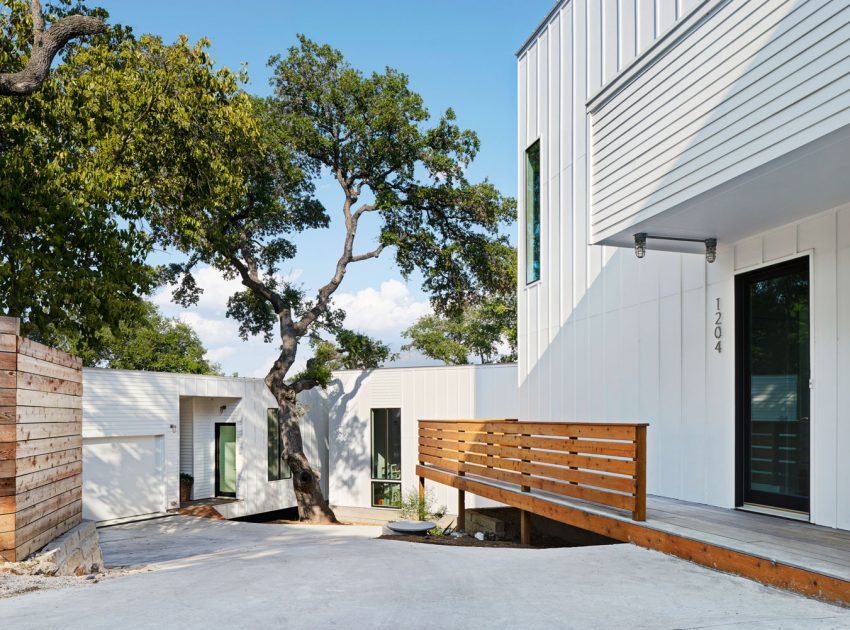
<point>421,498</point>
<point>639,512</point>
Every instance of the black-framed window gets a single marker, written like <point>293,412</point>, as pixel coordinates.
<point>386,457</point>
<point>532,213</point>
<point>277,468</point>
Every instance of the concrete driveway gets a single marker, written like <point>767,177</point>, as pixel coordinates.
<point>219,574</point>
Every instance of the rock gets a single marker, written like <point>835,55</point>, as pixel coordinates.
<point>479,536</point>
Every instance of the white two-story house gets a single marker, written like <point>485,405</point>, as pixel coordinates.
<point>684,197</point>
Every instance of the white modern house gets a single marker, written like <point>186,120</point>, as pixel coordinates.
<point>685,241</point>
<point>141,430</point>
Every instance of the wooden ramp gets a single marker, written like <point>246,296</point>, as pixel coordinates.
<point>793,555</point>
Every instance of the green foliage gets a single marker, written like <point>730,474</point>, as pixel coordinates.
<point>484,330</point>
<point>122,128</point>
<point>374,135</point>
<point>154,344</point>
<point>416,508</point>
<point>187,478</point>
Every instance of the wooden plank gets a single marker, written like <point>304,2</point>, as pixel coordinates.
<point>620,501</point>
<point>35,513</point>
<point>8,433</point>
<point>33,365</point>
<point>43,493</point>
<point>568,445</point>
<point>10,325</point>
<point>8,342</point>
<point>41,383</point>
<point>7,486</point>
<point>8,397</point>
<point>623,467</point>
<point>47,522</point>
<point>8,361</point>
<point>40,540</point>
<point>28,415</point>
<point>524,527</point>
<point>809,583</point>
<point>590,478</point>
<point>563,429</point>
<point>595,447</point>
<point>8,379</point>
<point>8,451</point>
<point>8,414</point>
<point>639,513</point>
<point>30,348</point>
<point>30,398</point>
<point>23,483</point>
<point>8,504</point>
<point>32,448</point>
<point>8,467</point>
<point>40,430</point>
<point>28,465</point>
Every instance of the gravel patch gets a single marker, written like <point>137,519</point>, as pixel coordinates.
<point>12,585</point>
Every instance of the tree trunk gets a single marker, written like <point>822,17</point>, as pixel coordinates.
<point>312,505</point>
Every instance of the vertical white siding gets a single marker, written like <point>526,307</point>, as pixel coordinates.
<point>463,392</point>
<point>187,462</point>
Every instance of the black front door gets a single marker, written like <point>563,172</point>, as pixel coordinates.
<point>773,372</point>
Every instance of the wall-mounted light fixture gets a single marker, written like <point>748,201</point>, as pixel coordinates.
<point>710,244</point>
<point>640,244</point>
<point>222,408</point>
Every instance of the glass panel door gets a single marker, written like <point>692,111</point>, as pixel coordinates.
<point>773,394</point>
<point>225,460</point>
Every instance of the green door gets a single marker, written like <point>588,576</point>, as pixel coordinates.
<point>225,460</point>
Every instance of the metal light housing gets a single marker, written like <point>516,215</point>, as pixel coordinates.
<point>640,244</point>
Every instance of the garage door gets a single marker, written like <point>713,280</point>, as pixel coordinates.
<point>122,477</point>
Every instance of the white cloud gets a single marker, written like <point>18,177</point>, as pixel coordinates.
<point>389,308</point>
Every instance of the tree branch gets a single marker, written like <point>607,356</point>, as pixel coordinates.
<point>45,46</point>
<point>366,207</point>
<point>373,254</point>
<point>251,279</point>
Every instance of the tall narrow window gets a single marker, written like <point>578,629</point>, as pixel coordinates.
<point>277,469</point>
<point>386,457</point>
<point>532,213</point>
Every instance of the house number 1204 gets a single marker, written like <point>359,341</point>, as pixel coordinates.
<point>718,330</point>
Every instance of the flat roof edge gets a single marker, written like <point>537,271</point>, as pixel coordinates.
<point>540,26</point>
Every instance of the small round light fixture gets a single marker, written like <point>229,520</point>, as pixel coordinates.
<point>710,250</point>
<point>640,244</point>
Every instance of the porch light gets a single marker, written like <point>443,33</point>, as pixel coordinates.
<point>710,244</point>
<point>710,250</point>
<point>640,244</point>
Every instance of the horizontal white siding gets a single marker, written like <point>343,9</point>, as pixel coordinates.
<point>752,82</point>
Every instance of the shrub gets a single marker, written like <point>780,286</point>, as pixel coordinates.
<point>415,509</point>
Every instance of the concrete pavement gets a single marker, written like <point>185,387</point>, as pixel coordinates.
<point>220,574</point>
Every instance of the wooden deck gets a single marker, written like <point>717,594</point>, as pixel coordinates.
<point>793,555</point>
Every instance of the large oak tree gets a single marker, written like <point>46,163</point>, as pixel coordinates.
<point>394,165</point>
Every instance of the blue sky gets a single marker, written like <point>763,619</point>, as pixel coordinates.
<point>457,54</point>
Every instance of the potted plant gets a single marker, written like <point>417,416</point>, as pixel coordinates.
<point>186,482</point>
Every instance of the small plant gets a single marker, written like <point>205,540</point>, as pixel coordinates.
<point>187,478</point>
<point>415,509</point>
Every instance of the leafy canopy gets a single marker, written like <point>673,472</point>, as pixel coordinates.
<point>122,125</point>
<point>154,344</point>
<point>392,163</point>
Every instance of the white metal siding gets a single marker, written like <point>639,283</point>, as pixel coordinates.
<point>187,464</point>
<point>606,337</point>
<point>755,81</point>
<point>463,392</point>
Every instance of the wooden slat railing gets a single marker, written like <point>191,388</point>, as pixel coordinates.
<point>600,463</point>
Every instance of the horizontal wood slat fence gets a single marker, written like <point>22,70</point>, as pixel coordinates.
<point>600,463</point>
<point>41,458</point>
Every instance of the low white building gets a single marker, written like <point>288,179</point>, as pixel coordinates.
<point>142,429</point>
